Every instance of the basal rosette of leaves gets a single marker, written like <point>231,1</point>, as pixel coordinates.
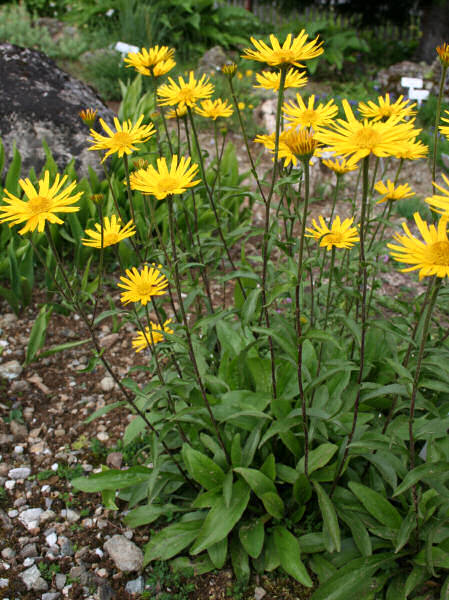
<point>295,414</point>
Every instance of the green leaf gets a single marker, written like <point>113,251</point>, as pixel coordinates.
<point>359,532</point>
<point>227,488</point>
<point>133,430</point>
<point>352,581</point>
<point>252,536</point>
<point>289,555</point>
<point>103,411</point>
<point>202,468</point>
<point>171,540</point>
<point>144,515</point>
<point>318,458</point>
<point>12,177</point>
<point>250,305</point>
<point>218,552</point>
<point>221,519</point>
<point>240,561</point>
<point>38,334</point>
<point>377,505</point>
<point>62,347</point>
<point>417,577</point>
<point>407,526</point>
<point>329,516</point>
<point>264,489</point>
<point>113,479</point>
<point>269,467</point>
<point>421,472</point>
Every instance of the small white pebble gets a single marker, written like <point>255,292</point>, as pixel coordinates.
<point>18,450</point>
<point>9,485</point>
<point>13,513</point>
<point>51,539</point>
<point>54,466</point>
<point>28,561</point>
<point>45,488</point>
<point>99,552</point>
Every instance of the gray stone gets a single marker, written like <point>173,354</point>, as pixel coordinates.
<point>259,593</point>
<point>4,583</point>
<point>115,460</point>
<point>8,553</point>
<point>12,368</point>
<point>212,60</point>
<point>107,384</point>
<point>40,101</point>
<point>29,550</point>
<point>105,592</point>
<point>66,545</point>
<point>136,586</point>
<point>79,574</point>
<point>19,430</point>
<point>124,553</point>
<point>32,579</point>
<point>60,580</point>
<point>30,518</point>
<point>6,438</point>
<point>19,473</point>
<point>51,596</point>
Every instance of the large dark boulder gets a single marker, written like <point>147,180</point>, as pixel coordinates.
<point>40,101</point>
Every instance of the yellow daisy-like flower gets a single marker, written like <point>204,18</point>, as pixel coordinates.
<point>296,145</point>
<point>145,60</point>
<point>162,182</point>
<point>88,116</point>
<point>362,138</point>
<point>187,93</point>
<point>386,109</point>
<point>340,235</point>
<point>149,337</point>
<point>229,70</point>
<point>41,204</point>
<point>175,113</point>
<point>443,54</point>
<point>292,51</point>
<point>271,81</point>
<point>113,233</point>
<point>213,109</point>
<point>431,256</point>
<point>392,192</point>
<point>412,150</point>
<point>340,166</point>
<point>444,129</point>
<point>301,115</point>
<point>249,72</point>
<point>440,203</point>
<point>141,287</point>
<point>124,139</point>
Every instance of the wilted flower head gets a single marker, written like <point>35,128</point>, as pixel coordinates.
<point>88,116</point>
<point>443,54</point>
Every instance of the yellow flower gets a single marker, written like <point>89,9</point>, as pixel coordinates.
<point>113,233</point>
<point>292,52</point>
<point>340,235</point>
<point>431,256</point>
<point>271,81</point>
<point>249,72</point>
<point>187,93</point>
<point>162,182</point>
<point>412,150</point>
<point>301,115</point>
<point>146,61</point>
<point>213,109</point>
<point>241,105</point>
<point>41,204</point>
<point>362,138</point>
<point>239,76</point>
<point>149,337</point>
<point>175,113</point>
<point>444,129</point>
<point>229,70</point>
<point>88,116</point>
<point>122,140</point>
<point>440,204</point>
<point>385,109</point>
<point>443,53</point>
<point>296,145</point>
<point>141,287</point>
<point>340,166</point>
<point>392,192</point>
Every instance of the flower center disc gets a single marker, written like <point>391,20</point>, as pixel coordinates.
<point>144,289</point>
<point>333,238</point>
<point>39,204</point>
<point>283,56</point>
<point>122,139</point>
<point>168,184</point>
<point>110,238</point>
<point>308,117</point>
<point>366,138</point>
<point>186,95</point>
<point>440,253</point>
